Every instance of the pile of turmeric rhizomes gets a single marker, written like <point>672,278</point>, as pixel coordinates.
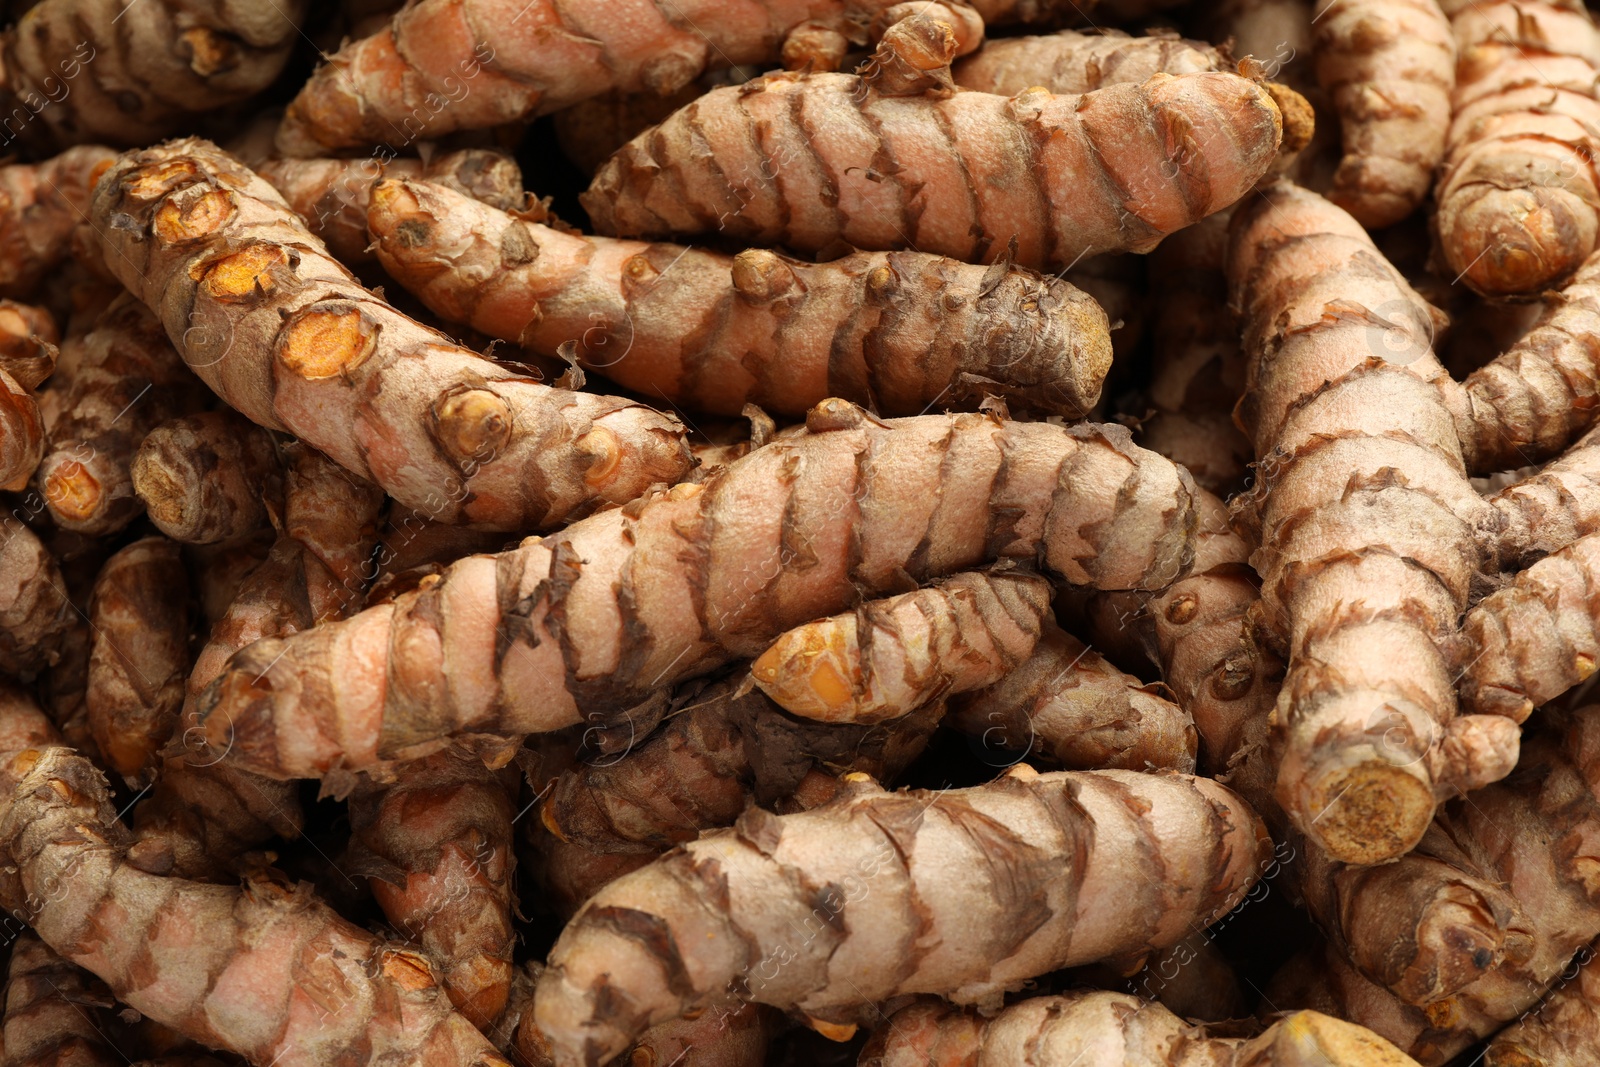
<point>962,533</point>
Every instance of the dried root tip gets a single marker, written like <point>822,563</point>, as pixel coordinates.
<point>959,855</point>
<point>206,478</point>
<point>892,656</point>
<point>964,21</point>
<point>28,339</point>
<point>35,614</point>
<point>1538,638</point>
<point>1068,706</point>
<point>1102,1027</point>
<point>1363,807</point>
<point>1299,118</point>
<point>139,615</point>
<point>915,52</point>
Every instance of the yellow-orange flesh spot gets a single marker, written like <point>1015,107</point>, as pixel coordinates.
<point>183,219</point>
<point>323,344</point>
<point>72,491</point>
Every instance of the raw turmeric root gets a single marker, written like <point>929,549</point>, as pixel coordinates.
<point>436,846</point>
<point>140,617</point>
<point>721,753</point>
<point>1425,927</point>
<point>1520,836</point>
<point>976,891</point>
<point>35,613</point>
<point>1095,1028</point>
<point>331,195</point>
<point>1563,1030</point>
<point>55,1012</point>
<point>1066,706</point>
<point>1538,637</point>
<point>204,814</point>
<point>40,205</point>
<point>712,573</point>
<point>1069,62</point>
<point>1534,399</point>
<point>1389,68</point>
<point>127,380</point>
<point>28,343</point>
<point>98,70</point>
<point>1517,196</point>
<point>22,434</point>
<point>1200,633</point>
<point>891,656</point>
<point>338,995</point>
<point>1549,509</point>
<point>899,332</point>
<point>728,1035</point>
<point>285,335</point>
<point>206,478</point>
<point>907,168</point>
<point>1362,498</point>
<point>28,354</point>
<point>446,65</point>
<point>590,130</point>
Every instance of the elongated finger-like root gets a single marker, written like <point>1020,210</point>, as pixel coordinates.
<point>1366,523</point>
<point>1539,637</point>
<point>872,502</point>
<point>1186,147</point>
<point>190,956</point>
<point>1015,846</point>
<point>892,656</point>
<point>284,334</point>
<point>1389,67</point>
<point>898,332</point>
<point>437,846</point>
